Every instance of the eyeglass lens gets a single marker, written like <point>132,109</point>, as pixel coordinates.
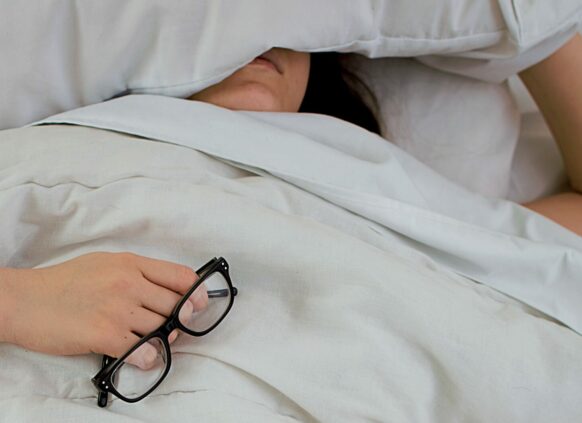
<point>132,381</point>
<point>210,300</point>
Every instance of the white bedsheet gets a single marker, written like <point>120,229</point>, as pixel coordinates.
<point>348,309</point>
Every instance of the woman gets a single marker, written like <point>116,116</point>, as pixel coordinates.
<point>280,80</point>
<point>283,80</point>
<point>75,307</point>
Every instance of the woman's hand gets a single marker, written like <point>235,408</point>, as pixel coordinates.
<point>99,302</point>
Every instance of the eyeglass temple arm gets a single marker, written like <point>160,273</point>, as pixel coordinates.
<point>217,293</point>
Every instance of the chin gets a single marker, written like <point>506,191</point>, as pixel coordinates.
<point>255,97</point>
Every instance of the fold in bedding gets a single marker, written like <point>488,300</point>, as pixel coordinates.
<point>353,301</point>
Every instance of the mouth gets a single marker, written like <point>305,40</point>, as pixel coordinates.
<point>268,60</point>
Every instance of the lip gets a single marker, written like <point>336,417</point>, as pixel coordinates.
<point>268,60</point>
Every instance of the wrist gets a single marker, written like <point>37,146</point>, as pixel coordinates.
<point>12,286</point>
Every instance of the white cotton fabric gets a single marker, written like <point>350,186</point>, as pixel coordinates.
<point>58,55</point>
<point>494,242</point>
<point>464,129</point>
<point>341,316</point>
<point>482,66</point>
<point>489,138</point>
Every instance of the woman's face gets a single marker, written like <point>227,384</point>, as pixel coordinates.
<point>274,82</point>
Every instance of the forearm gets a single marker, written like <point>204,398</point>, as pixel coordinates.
<point>556,86</point>
<point>564,209</point>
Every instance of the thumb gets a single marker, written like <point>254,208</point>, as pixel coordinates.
<point>144,357</point>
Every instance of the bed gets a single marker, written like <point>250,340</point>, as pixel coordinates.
<point>382,286</point>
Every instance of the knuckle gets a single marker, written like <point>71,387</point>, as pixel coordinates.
<point>123,279</point>
<point>104,255</point>
<point>126,258</point>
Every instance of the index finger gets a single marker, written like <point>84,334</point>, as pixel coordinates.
<point>177,277</point>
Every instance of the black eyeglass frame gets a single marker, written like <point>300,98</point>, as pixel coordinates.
<point>103,379</point>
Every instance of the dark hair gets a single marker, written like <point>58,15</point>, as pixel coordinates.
<point>336,91</point>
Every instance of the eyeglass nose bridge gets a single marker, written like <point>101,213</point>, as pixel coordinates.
<point>168,327</point>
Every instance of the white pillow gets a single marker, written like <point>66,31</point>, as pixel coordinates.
<point>62,54</point>
<point>466,130</point>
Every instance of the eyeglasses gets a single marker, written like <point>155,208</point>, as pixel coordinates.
<point>130,383</point>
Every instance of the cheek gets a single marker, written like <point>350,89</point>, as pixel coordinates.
<point>297,82</point>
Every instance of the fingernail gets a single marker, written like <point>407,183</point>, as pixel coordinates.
<point>173,336</point>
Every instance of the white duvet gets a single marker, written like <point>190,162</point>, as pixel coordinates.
<point>350,258</point>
